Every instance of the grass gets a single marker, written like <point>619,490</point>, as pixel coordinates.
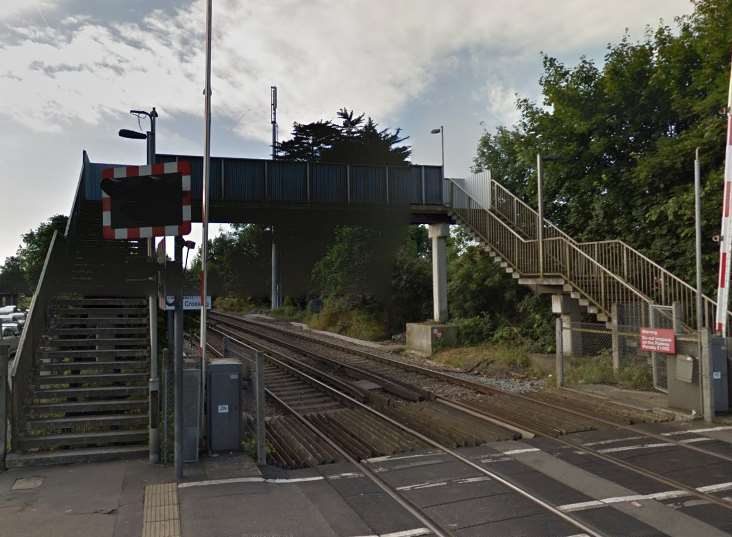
<point>599,370</point>
<point>492,359</point>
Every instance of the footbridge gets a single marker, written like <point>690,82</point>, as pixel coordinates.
<point>88,316</point>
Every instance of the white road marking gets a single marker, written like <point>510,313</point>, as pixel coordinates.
<point>402,457</point>
<point>427,485</point>
<point>671,433</point>
<point>346,475</point>
<point>666,495</point>
<point>234,480</point>
<point>416,532</point>
<point>519,451</point>
<point>655,445</point>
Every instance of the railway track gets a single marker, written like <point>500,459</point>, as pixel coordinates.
<point>309,422</point>
<point>517,412</point>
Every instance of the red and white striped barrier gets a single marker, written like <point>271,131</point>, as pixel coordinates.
<point>183,167</point>
<point>725,243</point>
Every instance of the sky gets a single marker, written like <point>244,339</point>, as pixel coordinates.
<point>70,70</point>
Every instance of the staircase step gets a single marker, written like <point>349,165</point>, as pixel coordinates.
<point>516,275</point>
<point>84,439</point>
<point>42,409</point>
<point>114,310</point>
<point>70,456</point>
<point>86,353</point>
<point>99,330</point>
<point>60,322</point>
<point>85,342</point>
<point>97,378</point>
<point>105,391</point>
<point>100,301</point>
<point>95,421</point>
<point>93,365</point>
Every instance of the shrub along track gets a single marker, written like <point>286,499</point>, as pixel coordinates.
<point>534,416</point>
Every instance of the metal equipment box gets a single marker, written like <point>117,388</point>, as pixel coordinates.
<point>191,413</point>
<point>224,411</point>
<point>719,374</point>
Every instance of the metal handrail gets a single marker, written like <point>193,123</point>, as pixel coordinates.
<point>599,285</point>
<point>648,277</point>
<point>21,369</point>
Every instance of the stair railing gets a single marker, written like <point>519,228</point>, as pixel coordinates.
<point>648,277</point>
<point>20,379</point>
<point>562,257</point>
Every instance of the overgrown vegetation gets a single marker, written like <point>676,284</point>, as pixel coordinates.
<point>599,370</point>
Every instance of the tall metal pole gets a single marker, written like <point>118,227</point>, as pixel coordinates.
<point>697,225</point>
<point>154,381</point>
<point>275,291</point>
<point>178,358</point>
<point>442,142</point>
<point>204,208</point>
<point>540,203</point>
<point>705,366</point>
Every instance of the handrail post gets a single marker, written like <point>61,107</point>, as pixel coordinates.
<point>307,178</point>
<point>540,203</point>
<point>348,184</point>
<point>387,184</point>
<point>424,195</point>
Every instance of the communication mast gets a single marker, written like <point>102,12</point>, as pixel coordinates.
<point>273,120</point>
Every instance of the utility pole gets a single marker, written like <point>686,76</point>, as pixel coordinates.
<point>275,291</point>
<point>204,210</point>
<point>154,382</point>
<point>540,203</point>
<point>178,357</point>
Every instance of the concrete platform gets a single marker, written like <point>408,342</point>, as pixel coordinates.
<point>636,399</point>
<point>99,500</point>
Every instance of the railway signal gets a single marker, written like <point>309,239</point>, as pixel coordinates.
<point>146,201</point>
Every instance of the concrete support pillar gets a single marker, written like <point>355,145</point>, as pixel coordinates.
<point>438,233</point>
<point>276,286</point>
<point>615,337</point>
<point>570,312</point>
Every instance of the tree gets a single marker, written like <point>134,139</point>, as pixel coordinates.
<point>21,271</point>
<point>621,138</point>
<point>356,139</point>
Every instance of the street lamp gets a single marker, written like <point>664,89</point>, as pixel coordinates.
<point>149,135</point>
<point>154,380</point>
<point>441,132</point>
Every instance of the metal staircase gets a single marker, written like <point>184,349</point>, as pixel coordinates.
<point>79,379</point>
<point>597,274</point>
<point>88,397</point>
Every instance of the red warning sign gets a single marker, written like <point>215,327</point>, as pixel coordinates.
<point>658,340</point>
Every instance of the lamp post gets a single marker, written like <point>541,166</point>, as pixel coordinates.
<point>441,132</point>
<point>154,381</point>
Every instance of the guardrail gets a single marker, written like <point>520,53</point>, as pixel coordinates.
<point>643,274</point>
<point>561,257</point>
<point>20,377</point>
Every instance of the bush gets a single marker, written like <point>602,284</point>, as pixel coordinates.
<point>343,316</point>
<point>474,330</point>
<point>233,304</point>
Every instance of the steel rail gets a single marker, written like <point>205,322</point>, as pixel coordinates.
<point>482,387</point>
<point>491,390</point>
<point>391,492</point>
<point>379,379</point>
<point>542,503</point>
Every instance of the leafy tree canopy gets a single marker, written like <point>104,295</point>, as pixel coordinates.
<point>354,139</point>
<point>620,139</point>
<point>21,272</point>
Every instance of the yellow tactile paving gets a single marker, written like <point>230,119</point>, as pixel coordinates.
<point>161,514</point>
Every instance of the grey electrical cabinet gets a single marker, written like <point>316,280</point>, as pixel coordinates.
<point>224,412</point>
<point>191,413</point>
<point>719,375</point>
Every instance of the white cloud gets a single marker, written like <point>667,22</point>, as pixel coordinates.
<point>11,8</point>
<point>374,56</point>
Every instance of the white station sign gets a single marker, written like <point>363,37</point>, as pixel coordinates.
<point>190,302</point>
